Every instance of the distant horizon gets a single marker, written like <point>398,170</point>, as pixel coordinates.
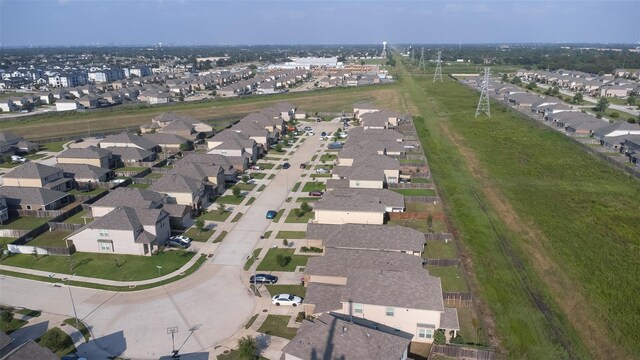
<point>240,23</point>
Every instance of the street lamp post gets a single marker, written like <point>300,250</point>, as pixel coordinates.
<point>173,330</point>
<point>73,304</point>
<point>159,268</point>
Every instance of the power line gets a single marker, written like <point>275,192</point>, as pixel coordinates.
<point>422,64</point>
<point>438,73</point>
<point>483,103</point>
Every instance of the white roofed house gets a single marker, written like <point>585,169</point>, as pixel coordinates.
<point>67,105</point>
<point>124,230</point>
<point>614,135</point>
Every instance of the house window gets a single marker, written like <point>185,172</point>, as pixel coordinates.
<point>390,311</point>
<point>358,308</point>
<point>104,232</point>
<point>28,207</point>
<point>105,245</point>
<point>424,333</point>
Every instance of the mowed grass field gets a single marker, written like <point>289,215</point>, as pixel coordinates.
<point>218,111</point>
<point>551,232</point>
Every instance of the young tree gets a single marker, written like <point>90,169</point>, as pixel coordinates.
<point>247,348</point>
<point>516,80</point>
<point>602,105</point>
<point>505,77</point>
<point>279,147</point>
<point>577,98</point>
<point>283,260</point>
<point>245,178</point>
<point>532,85</point>
<point>305,207</point>
<point>430,222</point>
<point>199,223</point>
<point>236,191</point>
<point>222,207</point>
<point>631,100</point>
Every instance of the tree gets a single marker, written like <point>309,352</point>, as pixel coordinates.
<point>222,207</point>
<point>6,316</point>
<point>305,207</point>
<point>199,223</point>
<point>631,100</point>
<point>439,338</point>
<point>577,98</point>
<point>236,191</point>
<point>430,222</point>
<point>279,147</point>
<point>245,178</point>
<point>602,105</point>
<point>532,85</point>
<point>186,146</point>
<point>247,348</point>
<point>283,260</point>
<point>505,77</point>
<point>516,80</point>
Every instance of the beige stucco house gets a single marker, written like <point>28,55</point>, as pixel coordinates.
<point>231,143</point>
<point>90,155</point>
<point>130,197</point>
<point>125,230</point>
<point>32,174</point>
<point>182,190</point>
<point>357,206</point>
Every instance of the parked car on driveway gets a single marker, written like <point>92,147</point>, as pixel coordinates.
<point>263,279</point>
<point>256,167</point>
<point>181,238</point>
<point>303,165</point>
<point>177,243</point>
<point>271,214</point>
<point>322,171</point>
<point>286,165</point>
<point>18,159</point>
<point>286,299</point>
<point>315,193</point>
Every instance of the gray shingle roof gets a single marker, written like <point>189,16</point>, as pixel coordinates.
<point>32,170</point>
<point>83,171</point>
<point>176,183</point>
<point>617,126</point>
<point>369,200</point>
<point>125,139</point>
<point>373,237</point>
<point>130,153</point>
<point>30,195</point>
<point>30,350</point>
<point>127,218</point>
<point>325,297</point>
<point>8,136</point>
<point>331,338</point>
<point>89,152</point>
<point>165,139</point>
<point>449,319</point>
<point>337,262</point>
<point>132,197</point>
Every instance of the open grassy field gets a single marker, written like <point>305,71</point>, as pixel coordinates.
<point>217,111</point>
<point>537,216</point>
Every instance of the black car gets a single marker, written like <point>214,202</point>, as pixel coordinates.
<point>178,244</point>
<point>286,165</point>
<point>263,279</point>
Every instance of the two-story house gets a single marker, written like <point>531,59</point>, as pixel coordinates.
<point>32,174</point>
<point>91,155</point>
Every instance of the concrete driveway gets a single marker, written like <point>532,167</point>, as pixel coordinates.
<point>207,307</point>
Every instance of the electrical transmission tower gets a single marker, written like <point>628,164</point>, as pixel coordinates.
<point>483,103</point>
<point>438,73</point>
<point>422,65</point>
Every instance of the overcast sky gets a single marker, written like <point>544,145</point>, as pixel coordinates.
<point>189,22</point>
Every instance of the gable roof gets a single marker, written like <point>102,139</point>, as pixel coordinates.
<point>8,136</point>
<point>337,262</point>
<point>622,126</point>
<point>126,138</point>
<point>127,218</point>
<point>89,152</point>
<point>83,171</point>
<point>165,139</point>
<point>130,153</point>
<point>368,200</point>
<point>30,350</point>
<point>172,183</point>
<point>374,237</point>
<point>331,338</point>
<point>32,170</point>
<point>30,195</point>
<point>132,197</point>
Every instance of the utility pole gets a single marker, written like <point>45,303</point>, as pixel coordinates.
<point>422,62</point>
<point>438,74</point>
<point>73,304</point>
<point>483,103</point>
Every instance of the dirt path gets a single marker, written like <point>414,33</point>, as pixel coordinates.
<point>567,296</point>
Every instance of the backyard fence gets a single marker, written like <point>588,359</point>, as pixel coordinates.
<point>422,199</point>
<point>460,352</point>
<point>457,297</point>
<point>41,250</point>
<point>441,262</point>
<point>438,237</point>
<point>64,226</point>
<point>411,186</point>
<point>39,213</point>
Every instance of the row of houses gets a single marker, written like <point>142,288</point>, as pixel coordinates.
<point>368,296</point>
<point>617,136</point>
<point>605,85</point>
<point>265,83</point>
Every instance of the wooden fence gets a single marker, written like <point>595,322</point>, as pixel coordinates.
<point>422,199</point>
<point>39,213</point>
<point>408,215</point>
<point>412,186</point>
<point>457,297</point>
<point>438,237</point>
<point>13,233</point>
<point>41,250</point>
<point>64,226</point>
<point>461,352</point>
<point>441,262</point>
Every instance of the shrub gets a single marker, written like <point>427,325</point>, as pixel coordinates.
<point>300,316</point>
<point>245,178</point>
<point>615,114</point>
<point>54,339</point>
<point>439,338</point>
<point>285,242</point>
<point>311,249</point>
<point>236,191</point>
<point>247,348</point>
<point>458,340</point>
<point>6,316</point>
<point>283,260</point>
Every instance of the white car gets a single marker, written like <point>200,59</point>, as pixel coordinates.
<point>286,299</point>
<point>181,238</point>
<point>18,159</point>
<point>322,171</point>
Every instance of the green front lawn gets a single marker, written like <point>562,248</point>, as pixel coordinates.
<point>328,157</point>
<point>235,355</point>
<point>131,168</point>
<point>266,165</point>
<point>269,262</point>
<point>278,215</point>
<point>24,223</point>
<point>244,187</point>
<point>55,146</point>
<point>276,325</point>
<point>291,234</point>
<point>153,175</point>
<point>415,192</point>
<point>440,250</point>
<point>293,218</point>
<point>60,349</point>
<point>230,199</point>
<point>198,236</point>
<point>104,266</point>
<point>452,277</point>
<point>320,175</point>
<point>258,175</point>
<point>53,238</point>
<point>11,326</point>
<point>220,237</point>
<point>297,290</point>
<point>8,165</point>
<point>4,241</point>
<point>314,186</point>
<point>80,326</point>
<point>35,156</point>
<point>215,215</point>
<point>308,199</point>
<point>80,217</point>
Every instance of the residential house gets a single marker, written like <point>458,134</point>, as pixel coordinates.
<point>364,108</point>
<point>128,140</point>
<point>33,198</point>
<point>8,142</point>
<point>213,175</point>
<point>29,350</point>
<point>383,119</point>
<point>631,149</point>
<point>329,337</point>
<point>389,291</point>
<point>32,174</point>
<point>91,155</point>
<point>366,237</point>
<point>371,171</point>
<point>231,143</point>
<point>167,118</point>
<point>67,105</point>
<point>227,163</point>
<point>8,105</point>
<point>89,101</point>
<point>85,175</point>
<point>123,156</point>
<point>168,143</point>
<point>124,230</point>
<point>130,197</point>
<point>182,190</point>
<point>361,206</point>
